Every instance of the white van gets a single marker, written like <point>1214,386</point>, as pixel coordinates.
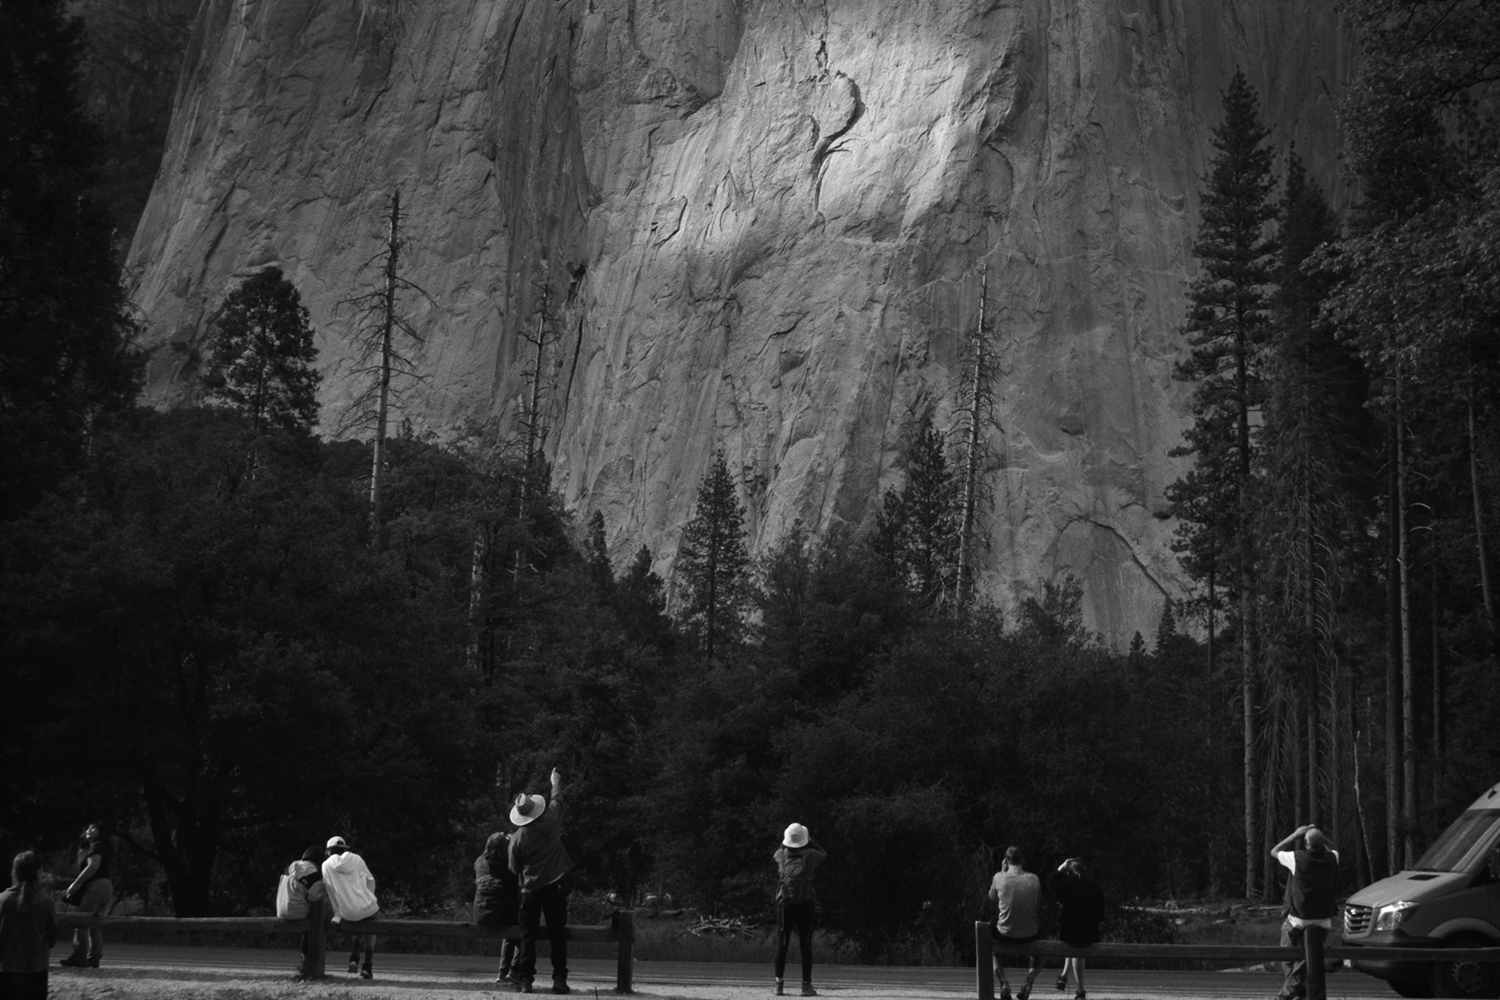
<point>1450,898</point>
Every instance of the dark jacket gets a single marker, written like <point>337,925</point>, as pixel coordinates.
<point>497,892</point>
<point>27,933</point>
<point>537,855</point>
<point>1313,887</point>
<point>1082,909</point>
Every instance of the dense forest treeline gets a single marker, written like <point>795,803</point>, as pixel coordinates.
<point>228,639</point>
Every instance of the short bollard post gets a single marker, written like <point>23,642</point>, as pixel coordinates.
<point>625,955</point>
<point>1312,940</point>
<point>984,957</point>
<point>317,940</point>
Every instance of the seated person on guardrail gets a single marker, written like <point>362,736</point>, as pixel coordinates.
<point>1312,892</point>
<point>1081,912</point>
<point>28,930</point>
<point>1016,893</point>
<point>351,890</point>
<point>796,860</point>
<point>540,862</point>
<point>91,892</point>
<point>300,895</point>
<point>497,899</point>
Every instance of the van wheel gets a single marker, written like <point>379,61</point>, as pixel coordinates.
<point>1466,979</point>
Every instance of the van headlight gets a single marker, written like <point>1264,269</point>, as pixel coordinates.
<point>1388,918</point>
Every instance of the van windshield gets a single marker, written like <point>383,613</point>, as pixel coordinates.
<point>1457,848</point>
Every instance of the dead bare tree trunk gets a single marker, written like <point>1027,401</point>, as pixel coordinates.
<point>1393,672</point>
<point>971,460</point>
<point>383,397</point>
<point>1484,561</point>
<point>1408,716</point>
<point>1437,683</point>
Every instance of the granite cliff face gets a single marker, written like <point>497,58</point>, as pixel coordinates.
<point>763,224</point>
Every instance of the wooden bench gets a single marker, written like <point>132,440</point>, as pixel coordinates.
<point>620,930</point>
<point>1315,952</point>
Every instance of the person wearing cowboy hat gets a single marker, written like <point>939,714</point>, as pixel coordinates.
<point>540,861</point>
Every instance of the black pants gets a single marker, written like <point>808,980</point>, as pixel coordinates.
<point>999,963</point>
<point>788,917</point>
<point>1296,974</point>
<point>549,903</point>
<point>23,985</point>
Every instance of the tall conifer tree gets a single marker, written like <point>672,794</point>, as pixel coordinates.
<point>917,529</point>
<point>262,354</point>
<point>66,356</point>
<point>1227,323</point>
<point>713,565</point>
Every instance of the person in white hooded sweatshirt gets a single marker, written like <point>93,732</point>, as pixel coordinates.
<point>351,891</point>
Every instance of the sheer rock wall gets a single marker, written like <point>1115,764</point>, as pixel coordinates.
<point>762,224</point>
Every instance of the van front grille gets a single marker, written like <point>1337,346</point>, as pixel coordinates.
<point>1357,920</point>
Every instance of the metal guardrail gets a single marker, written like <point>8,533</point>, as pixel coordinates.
<point>1315,952</point>
<point>620,930</point>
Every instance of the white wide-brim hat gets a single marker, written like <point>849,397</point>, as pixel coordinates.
<point>527,808</point>
<point>796,836</point>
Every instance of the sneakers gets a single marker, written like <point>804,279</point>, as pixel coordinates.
<point>525,986</point>
<point>1005,991</point>
<point>366,974</point>
<point>1062,983</point>
<point>780,988</point>
<point>72,961</point>
<point>808,991</point>
<point>353,966</point>
<point>560,986</point>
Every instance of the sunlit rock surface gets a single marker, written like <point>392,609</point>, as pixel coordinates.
<point>762,224</point>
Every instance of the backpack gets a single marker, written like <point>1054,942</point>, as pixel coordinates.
<point>284,897</point>
<point>796,879</point>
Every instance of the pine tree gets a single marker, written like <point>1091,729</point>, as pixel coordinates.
<point>917,527</point>
<point>1166,630</point>
<point>1419,300</point>
<point>713,566</point>
<point>640,599</point>
<point>1316,435</point>
<point>66,353</point>
<point>596,554</point>
<point>1226,329</point>
<point>262,354</point>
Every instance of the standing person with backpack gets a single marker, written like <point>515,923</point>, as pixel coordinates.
<point>796,860</point>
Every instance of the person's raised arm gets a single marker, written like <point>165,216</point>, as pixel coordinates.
<point>1290,840</point>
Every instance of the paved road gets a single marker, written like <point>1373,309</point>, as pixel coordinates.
<point>698,979</point>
